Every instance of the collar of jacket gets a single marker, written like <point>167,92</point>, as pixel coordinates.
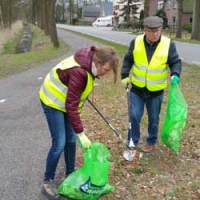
<point>153,44</point>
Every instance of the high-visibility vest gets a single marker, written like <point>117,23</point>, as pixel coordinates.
<point>153,74</point>
<point>53,92</point>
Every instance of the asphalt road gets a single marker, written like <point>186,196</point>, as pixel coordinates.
<point>188,52</point>
<point>24,136</point>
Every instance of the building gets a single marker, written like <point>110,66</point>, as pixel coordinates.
<point>171,10</point>
<point>92,12</point>
<point>106,8</point>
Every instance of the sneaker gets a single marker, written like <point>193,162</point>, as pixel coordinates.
<point>148,148</point>
<point>49,190</point>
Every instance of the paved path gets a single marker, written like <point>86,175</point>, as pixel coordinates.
<point>24,137</point>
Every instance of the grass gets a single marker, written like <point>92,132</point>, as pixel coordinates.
<point>159,176</point>
<point>6,35</point>
<point>164,174</point>
<point>41,51</point>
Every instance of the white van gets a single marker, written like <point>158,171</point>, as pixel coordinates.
<point>103,21</point>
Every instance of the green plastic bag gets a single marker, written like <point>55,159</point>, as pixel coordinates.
<point>175,118</point>
<point>91,180</point>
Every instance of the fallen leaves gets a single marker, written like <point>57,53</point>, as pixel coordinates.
<point>162,175</point>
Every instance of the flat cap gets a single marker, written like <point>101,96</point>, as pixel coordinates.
<point>153,22</point>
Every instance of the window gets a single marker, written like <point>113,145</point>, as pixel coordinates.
<point>173,21</point>
<point>169,4</point>
<point>160,5</point>
<point>116,7</point>
<point>175,4</point>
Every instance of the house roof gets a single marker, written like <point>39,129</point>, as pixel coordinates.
<point>91,11</point>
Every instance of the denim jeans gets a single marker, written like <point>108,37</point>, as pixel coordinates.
<point>63,139</point>
<point>153,106</point>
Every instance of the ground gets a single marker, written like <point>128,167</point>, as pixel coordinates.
<point>163,174</point>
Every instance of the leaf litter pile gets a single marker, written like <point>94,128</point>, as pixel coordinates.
<point>159,175</point>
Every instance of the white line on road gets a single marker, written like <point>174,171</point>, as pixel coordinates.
<point>2,100</point>
<point>196,62</point>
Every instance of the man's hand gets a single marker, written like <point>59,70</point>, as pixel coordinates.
<point>125,82</point>
<point>85,142</point>
<point>175,79</point>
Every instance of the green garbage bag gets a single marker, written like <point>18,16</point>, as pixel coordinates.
<point>91,180</point>
<point>175,118</point>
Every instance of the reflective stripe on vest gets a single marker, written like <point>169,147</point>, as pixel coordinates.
<point>53,92</point>
<point>152,75</point>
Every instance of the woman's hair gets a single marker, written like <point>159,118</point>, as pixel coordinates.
<point>102,55</point>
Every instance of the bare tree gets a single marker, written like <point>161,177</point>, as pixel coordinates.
<point>52,23</point>
<point>164,4</point>
<point>46,16</point>
<point>63,11</point>
<point>1,13</point>
<point>179,23</point>
<point>34,11</point>
<point>39,14</point>
<point>6,9</point>
<point>196,22</point>
<point>71,11</point>
<point>146,8</point>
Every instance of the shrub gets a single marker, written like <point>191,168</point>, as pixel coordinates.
<point>187,27</point>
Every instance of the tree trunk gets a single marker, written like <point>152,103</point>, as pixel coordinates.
<point>46,16</point>
<point>63,11</point>
<point>179,23</point>
<point>196,22</point>
<point>34,11</point>
<point>42,10</point>
<point>39,15</point>
<point>1,11</point>
<point>71,11</point>
<point>5,11</point>
<point>146,8</point>
<point>164,4</point>
<point>52,24</point>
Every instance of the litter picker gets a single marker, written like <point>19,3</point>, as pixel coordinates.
<point>130,152</point>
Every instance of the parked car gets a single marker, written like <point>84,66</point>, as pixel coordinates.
<point>103,21</point>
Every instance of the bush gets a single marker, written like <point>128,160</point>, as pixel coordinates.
<point>130,24</point>
<point>187,27</point>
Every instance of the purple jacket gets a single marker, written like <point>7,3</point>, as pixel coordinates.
<point>76,80</point>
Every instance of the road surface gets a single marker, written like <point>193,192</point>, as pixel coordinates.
<point>188,52</point>
<point>24,136</point>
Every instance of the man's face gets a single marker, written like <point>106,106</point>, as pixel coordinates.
<point>153,34</point>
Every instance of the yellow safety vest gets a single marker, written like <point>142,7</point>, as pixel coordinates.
<point>153,74</point>
<point>53,92</point>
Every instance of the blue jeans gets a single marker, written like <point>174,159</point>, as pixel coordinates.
<point>63,139</point>
<point>153,106</point>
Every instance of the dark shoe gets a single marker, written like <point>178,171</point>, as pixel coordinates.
<point>149,148</point>
<point>49,190</point>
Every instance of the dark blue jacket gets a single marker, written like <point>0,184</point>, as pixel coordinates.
<point>174,63</point>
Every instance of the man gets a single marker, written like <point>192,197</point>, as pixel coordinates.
<point>147,59</point>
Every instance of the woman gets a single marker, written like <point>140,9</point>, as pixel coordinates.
<point>62,96</point>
